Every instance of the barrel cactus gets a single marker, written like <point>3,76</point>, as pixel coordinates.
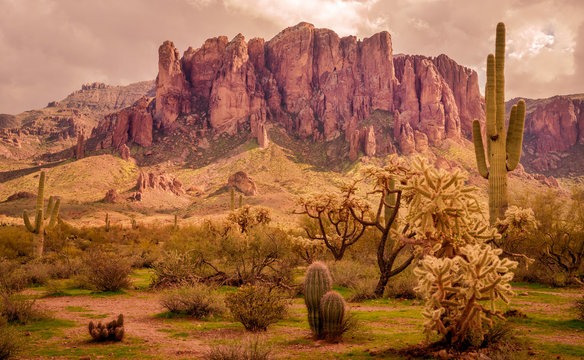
<point>332,309</point>
<point>317,283</point>
<point>112,331</point>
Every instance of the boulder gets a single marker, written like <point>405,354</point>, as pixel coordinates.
<point>243,183</point>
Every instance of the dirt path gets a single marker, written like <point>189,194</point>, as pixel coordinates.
<point>139,321</point>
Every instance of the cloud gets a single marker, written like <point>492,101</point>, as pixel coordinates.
<point>346,17</point>
<point>50,47</point>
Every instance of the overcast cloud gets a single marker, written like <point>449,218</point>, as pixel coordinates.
<point>48,48</point>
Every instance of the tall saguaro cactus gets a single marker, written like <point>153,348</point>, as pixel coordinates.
<point>38,229</point>
<point>503,145</point>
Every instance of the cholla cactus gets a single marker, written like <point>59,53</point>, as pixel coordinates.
<point>517,221</point>
<point>457,288</point>
<point>113,331</point>
<point>308,249</point>
<point>443,210</point>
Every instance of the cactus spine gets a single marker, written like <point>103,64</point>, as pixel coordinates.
<point>318,282</point>
<point>503,148</point>
<point>38,229</point>
<point>332,309</point>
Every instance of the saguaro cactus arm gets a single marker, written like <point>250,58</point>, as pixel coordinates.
<point>500,77</point>
<point>479,149</point>
<point>55,212</point>
<point>515,135</point>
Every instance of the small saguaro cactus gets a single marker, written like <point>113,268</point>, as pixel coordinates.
<point>232,193</point>
<point>38,229</point>
<point>318,281</point>
<point>503,146</point>
<point>107,223</point>
<point>332,309</point>
<point>175,226</point>
<point>113,331</point>
<point>240,201</point>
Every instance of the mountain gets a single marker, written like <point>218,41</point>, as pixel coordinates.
<point>311,82</point>
<point>554,134</point>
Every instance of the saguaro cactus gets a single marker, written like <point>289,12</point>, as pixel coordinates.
<point>318,282</point>
<point>38,229</point>
<point>503,147</point>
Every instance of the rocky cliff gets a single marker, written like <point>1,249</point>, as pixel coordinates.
<point>553,128</point>
<point>318,86</point>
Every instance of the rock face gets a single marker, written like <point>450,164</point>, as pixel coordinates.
<point>317,85</point>
<point>172,89</point>
<point>80,146</point>
<point>552,126</point>
<point>242,182</point>
<point>124,152</point>
<point>557,124</point>
<point>132,124</point>
<point>112,197</point>
<point>164,182</point>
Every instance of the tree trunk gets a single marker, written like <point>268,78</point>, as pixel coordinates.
<point>381,284</point>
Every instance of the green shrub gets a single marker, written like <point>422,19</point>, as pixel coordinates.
<point>16,309</point>
<point>250,349</point>
<point>363,290</point>
<point>402,286</point>
<point>349,273</point>
<point>15,242</point>
<point>197,300</point>
<point>580,308</point>
<point>9,342</point>
<point>175,268</point>
<point>257,306</point>
<point>13,278</point>
<point>106,271</point>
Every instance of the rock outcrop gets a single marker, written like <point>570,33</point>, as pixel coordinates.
<point>112,197</point>
<point>553,126</point>
<point>242,182</point>
<point>164,182</point>
<point>124,152</point>
<point>318,86</point>
<point>132,124</point>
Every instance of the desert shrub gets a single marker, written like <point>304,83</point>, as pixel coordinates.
<point>349,273</point>
<point>9,342</point>
<point>250,349</point>
<point>197,300</point>
<point>500,332</point>
<point>16,309</point>
<point>257,306</point>
<point>261,254</point>
<point>309,250</point>
<point>363,290</point>
<point>579,305</point>
<point>106,271</point>
<point>15,242</point>
<point>38,272</point>
<point>175,268</point>
<point>54,288</point>
<point>13,278</point>
<point>402,286</point>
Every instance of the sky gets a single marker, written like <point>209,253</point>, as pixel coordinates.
<point>49,48</point>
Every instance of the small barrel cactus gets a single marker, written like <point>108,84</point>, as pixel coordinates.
<point>318,281</point>
<point>332,309</point>
<point>112,331</point>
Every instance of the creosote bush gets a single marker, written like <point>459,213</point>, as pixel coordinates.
<point>16,309</point>
<point>9,342</point>
<point>173,269</point>
<point>197,300</point>
<point>257,306</point>
<point>107,271</point>
<point>249,349</point>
